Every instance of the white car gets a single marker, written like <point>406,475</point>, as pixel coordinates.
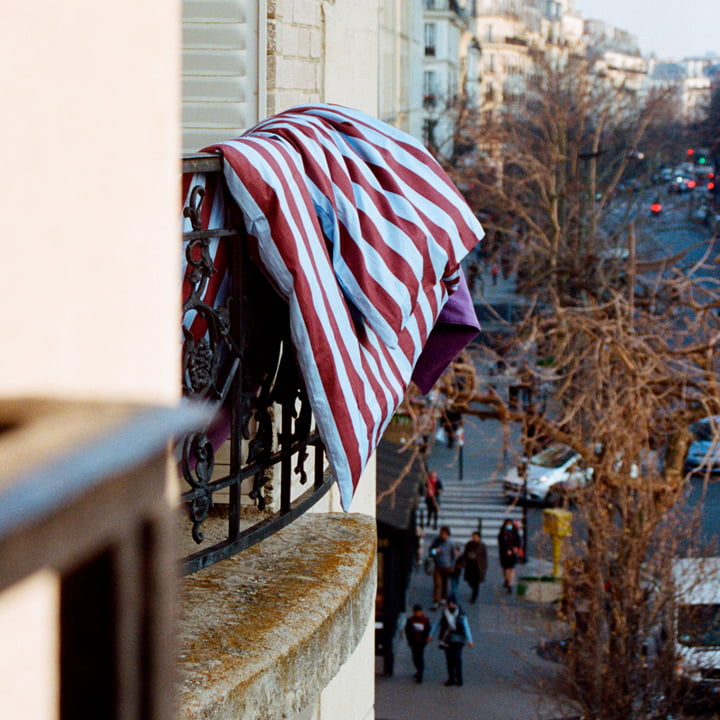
<point>553,473</point>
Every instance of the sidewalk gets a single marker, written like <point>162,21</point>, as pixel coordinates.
<point>504,679</point>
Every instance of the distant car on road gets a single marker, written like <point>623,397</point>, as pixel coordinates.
<point>552,475</point>
<point>681,184</point>
<point>704,451</point>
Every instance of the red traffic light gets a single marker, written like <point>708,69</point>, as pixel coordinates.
<point>711,185</point>
<point>691,184</point>
<point>690,151</point>
<point>656,207</point>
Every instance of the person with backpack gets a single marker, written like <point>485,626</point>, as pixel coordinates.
<point>433,487</point>
<point>417,631</point>
<point>453,633</point>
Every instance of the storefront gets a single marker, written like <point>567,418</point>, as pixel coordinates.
<point>397,541</point>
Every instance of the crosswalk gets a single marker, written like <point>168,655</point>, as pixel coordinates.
<point>468,505</point>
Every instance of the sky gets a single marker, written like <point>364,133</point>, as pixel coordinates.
<point>672,29</point>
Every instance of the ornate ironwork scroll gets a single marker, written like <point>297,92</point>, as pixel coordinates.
<point>238,356</point>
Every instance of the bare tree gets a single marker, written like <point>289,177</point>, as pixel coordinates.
<point>549,171</point>
<point>632,359</point>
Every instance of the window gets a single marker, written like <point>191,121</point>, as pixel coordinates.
<point>489,36</point>
<point>430,83</point>
<point>212,52</point>
<point>430,32</point>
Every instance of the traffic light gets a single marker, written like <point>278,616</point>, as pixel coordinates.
<point>690,152</point>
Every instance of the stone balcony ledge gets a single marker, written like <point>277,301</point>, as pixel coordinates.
<point>263,633</point>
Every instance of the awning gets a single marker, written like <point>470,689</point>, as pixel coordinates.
<point>398,497</point>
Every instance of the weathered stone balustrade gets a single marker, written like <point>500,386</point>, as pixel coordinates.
<point>263,633</point>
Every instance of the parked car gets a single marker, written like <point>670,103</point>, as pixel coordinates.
<point>697,626</point>
<point>704,451</point>
<point>553,474</point>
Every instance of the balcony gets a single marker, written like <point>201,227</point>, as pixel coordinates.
<point>237,358</point>
<point>87,556</point>
<point>264,626</point>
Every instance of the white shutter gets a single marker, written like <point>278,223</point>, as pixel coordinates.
<point>223,69</point>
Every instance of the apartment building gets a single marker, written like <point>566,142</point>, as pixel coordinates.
<point>450,69</point>
<point>616,56</point>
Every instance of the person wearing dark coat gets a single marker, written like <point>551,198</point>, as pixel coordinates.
<point>417,631</point>
<point>509,547</point>
<point>475,559</point>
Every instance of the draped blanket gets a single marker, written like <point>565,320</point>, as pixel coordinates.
<point>362,232</point>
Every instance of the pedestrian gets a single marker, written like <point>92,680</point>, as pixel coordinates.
<point>457,571</point>
<point>442,551</point>
<point>417,632</point>
<point>431,499</point>
<point>453,633</point>
<point>475,557</point>
<point>509,548</point>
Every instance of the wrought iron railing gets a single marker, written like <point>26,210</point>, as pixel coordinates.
<point>238,356</point>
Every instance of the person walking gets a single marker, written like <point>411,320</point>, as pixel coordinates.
<point>453,633</point>
<point>475,558</point>
<point>431,499</point>
<point>417,632</point>
<point>509,548</point>
<point>457,572</point>
<point>442,551</point>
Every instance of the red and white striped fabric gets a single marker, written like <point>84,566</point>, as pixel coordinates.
<point>362,232</point>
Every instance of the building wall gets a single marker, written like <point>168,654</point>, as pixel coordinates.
<point>91,255</point>
<point>29,683</point>
<point>89,198</point>
<point>316,51</point>
<point>246,59</point>
<point>351,64</point>
<point>400,35</point>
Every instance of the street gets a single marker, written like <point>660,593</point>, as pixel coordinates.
<point>504,677</point>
